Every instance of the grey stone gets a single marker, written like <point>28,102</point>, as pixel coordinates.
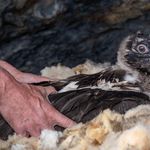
<point>35,34</point>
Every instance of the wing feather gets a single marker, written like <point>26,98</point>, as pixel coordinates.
<point>84,104</point>
<point>88,80</point>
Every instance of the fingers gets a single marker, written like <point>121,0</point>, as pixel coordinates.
<point>56,118</point>
<point>64,121</point>
<point>39,121</point>
<point>45,91</point>
<point>31,128</point>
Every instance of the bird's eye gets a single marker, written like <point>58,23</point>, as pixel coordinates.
<point>142,48</point>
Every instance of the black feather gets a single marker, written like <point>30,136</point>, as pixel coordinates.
<point>86,80</point>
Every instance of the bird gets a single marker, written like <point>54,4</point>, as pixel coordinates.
<point>131,71</point>
<point>121,87</point>
<point>132,68</point>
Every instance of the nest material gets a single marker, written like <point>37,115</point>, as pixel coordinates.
<point>63,72</point>
<point>108,131</point>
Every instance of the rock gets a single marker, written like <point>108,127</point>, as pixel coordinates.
<point>35,34</point>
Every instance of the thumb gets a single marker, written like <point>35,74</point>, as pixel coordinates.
<point>64,121</point>
<point>56,118</point>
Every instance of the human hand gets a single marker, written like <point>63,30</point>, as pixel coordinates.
<point>25,107</point>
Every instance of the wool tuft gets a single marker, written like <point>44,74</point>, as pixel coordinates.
<point>49,139</point>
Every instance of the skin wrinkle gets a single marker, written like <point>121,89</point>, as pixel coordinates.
<point>41,115</point>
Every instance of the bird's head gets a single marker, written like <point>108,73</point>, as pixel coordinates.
<point>134,53</point>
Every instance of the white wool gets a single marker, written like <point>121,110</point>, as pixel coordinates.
<point>110,142</point>
<point>105,132</point>
<point>138,111</point>
<point>136,138</point>
<point>63,72</point>
<point>57,72</point>
<point>49,139</point>
<point>18,147</point>
<point>90,67</point>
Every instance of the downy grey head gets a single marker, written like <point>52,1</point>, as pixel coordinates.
<point>134,53</point>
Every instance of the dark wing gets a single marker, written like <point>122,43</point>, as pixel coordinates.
<point>86,80</point>
<point>84,104</point>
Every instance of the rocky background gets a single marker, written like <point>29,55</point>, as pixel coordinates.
<point>39,33</point>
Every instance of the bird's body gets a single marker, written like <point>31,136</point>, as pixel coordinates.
<point>124,86</point>
<point>131,72</point>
